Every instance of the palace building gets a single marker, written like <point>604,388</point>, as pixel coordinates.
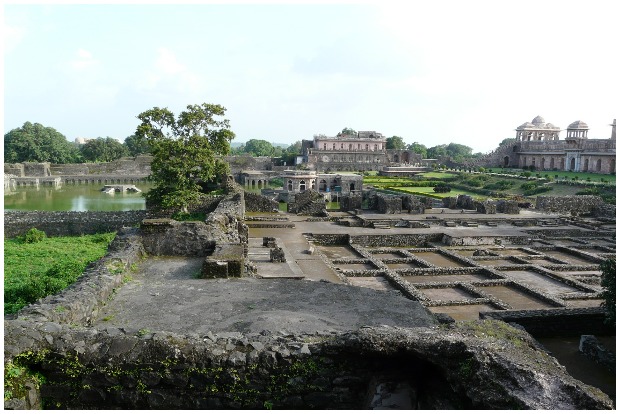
<point>538,146</point>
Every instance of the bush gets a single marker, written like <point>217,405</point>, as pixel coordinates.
<point>34,236</point>
<point>442,189</point>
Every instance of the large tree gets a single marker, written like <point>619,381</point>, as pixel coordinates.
<point>186,151</point>
<point>418,149</point>
<point>103,150</point>
<point>395,142</point>
<point>259,148</point>
<point>37,143</point>
<point>136,145</point>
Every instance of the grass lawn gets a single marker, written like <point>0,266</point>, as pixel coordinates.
<point>35,270</point>
<point>428,191</point>
<point>581,176</point>
<point>436,174</point>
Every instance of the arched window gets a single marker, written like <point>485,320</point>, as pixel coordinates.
<point>598,165</point>
<point>506,161</point>
<point>290,185</point>
<point>542,164</point>
<point>322,185</point>
<point>572,164</point>
<point>552,163</point>
<point>586,164</point>
<point>302,185</point>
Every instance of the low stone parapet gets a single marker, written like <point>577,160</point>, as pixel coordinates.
<point>227,260</point>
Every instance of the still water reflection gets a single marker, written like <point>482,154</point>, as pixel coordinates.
<point>87,197</point>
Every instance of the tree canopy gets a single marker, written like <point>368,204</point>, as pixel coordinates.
<point>395,142</point>
<point>186,151</point>
<point>347,131</point>
<point>418,149</point>
<point>103,150</point>
<point>136,145</point>
<point>457,152</point>
<point>260,148</point>
<point>37,143</point>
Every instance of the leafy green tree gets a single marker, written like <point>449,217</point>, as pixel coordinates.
<point>507,140</point>
<point>37,143</point>
<point>259,148</point>
<point>348,131</point>
<point>103,150</point>
<point>395,142</point>
<point>458,150</point>
<point>437,151</point>
<point>608,267</point>
<point>136,145</point>
<point>418,149</point>
<point>186,151</point>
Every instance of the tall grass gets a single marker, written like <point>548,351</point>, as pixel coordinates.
<point>35,270</point>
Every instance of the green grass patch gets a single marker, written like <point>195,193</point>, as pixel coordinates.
<point>429,192</point>
<point>35,270</point>
<point>436,174</point>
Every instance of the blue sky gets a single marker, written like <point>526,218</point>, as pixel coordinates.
<point>434,72</point>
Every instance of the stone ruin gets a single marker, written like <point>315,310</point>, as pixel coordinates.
<point>350,202</point>
<point>276,255</point>
<point>575,205</point>
<point>310,203</point>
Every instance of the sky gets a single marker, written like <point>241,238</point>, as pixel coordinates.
<point>431,72</point>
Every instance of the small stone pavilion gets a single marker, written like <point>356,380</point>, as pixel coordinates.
<point>298,181</point>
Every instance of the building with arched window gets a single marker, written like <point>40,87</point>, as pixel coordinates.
<point>538,146</point>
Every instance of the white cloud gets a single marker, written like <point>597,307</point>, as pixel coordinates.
<point>167,73</point>
<point>83,60</point>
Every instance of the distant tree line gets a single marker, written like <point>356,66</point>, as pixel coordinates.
<point>38,143</point>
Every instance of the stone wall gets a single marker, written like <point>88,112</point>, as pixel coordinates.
<point>389,204</point>
<point>442,368</point>
<point>388,240</point>
<point>574,204</point>
<point>167,237</point>
<point>140,165</point>
<point>259,203</point>
<point>350,202</point>
<point>69,223</point>
<point>310,203</point>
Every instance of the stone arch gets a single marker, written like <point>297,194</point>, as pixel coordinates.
<point>302,185</point>
<point>572,164</point>
<point>406,157</point>
<point>290,185</point>
<point>542,163</point>
<point>552,166</point>
<point>396,159</point>
<point>322,185</point>
<point>586,164</point>
<point>506,161</point>
<point>352,187</point>
<point>598,165</point>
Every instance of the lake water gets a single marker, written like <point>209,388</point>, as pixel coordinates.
<point>85,197</point>
<point>73,198</point>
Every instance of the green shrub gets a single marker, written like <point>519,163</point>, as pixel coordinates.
<point>34,236</point>
<point>442,189</point>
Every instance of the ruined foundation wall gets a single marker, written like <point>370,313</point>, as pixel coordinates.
<point>444,367</point>
<point>69,223</point>
<point>580,204</point>
<point>258,203</point>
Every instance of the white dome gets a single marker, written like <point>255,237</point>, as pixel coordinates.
<point>578,125</point>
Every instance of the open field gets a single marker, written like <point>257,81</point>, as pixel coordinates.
<point>561,175</point>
